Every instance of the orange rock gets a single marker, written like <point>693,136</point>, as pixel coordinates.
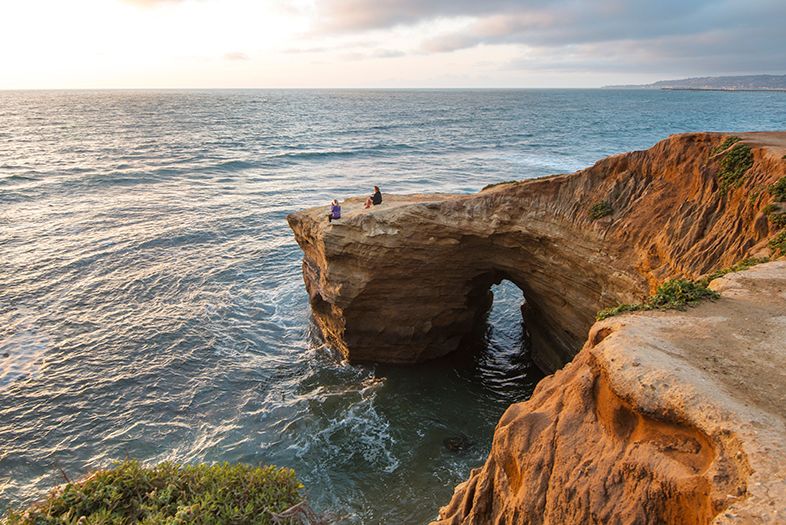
<point>407,281</point>
<point>663,417</point>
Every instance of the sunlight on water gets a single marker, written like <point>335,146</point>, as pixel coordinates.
<point>151,301</point>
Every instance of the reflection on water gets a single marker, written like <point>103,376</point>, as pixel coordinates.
<point>151,302</point>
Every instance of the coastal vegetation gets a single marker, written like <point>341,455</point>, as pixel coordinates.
<point>674,294</point>
<point>778,190</point>
<point>734,165</point>
<point>677,294</point>
<point>737,267</point>
<point>600,209</point>
<point>778,219</point>
<point>169,493</point>
<point>778,243</point>
<point>723,146</point>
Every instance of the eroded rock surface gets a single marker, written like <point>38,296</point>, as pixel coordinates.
<point>407,281</point>
<point>663,417</point>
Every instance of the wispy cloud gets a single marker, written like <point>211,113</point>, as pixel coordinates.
<point>674,35</point>
<point>235,55</point>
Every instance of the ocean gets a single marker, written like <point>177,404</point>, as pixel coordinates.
<point>151,301</point>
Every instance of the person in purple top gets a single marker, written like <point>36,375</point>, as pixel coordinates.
<point>335,211</point>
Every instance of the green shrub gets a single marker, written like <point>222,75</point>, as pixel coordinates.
<point>778,220</point>
<point>769,208</point>
<point>778,190</point>
<point>737,267</point>
<point>674,294</point>
<point>619,309</point>
<point>726,144</point>
<point>778,243</point>
<point>600,209</point>
<point>733,166</point>
<point>170,494</point>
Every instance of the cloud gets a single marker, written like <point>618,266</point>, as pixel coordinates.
<point>235,55</point>
<point>361,15</point>
<point>672,35</point>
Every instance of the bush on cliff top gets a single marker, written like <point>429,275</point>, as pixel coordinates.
<point>679,293</point>
<point>734,165</point>
<point>170,494</point>
<point>674,294</point>
<point>726,144</point>
<point>600,209</point>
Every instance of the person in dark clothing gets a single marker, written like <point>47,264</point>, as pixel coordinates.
<point>376,198</point>
<point>335,211</point>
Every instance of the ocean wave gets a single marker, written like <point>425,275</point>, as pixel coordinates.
<point>151,301</point>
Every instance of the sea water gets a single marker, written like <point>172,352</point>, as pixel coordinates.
<point>151,301</point>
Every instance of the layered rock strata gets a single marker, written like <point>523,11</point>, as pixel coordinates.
<point>408,280</point>
<point>663,417</point>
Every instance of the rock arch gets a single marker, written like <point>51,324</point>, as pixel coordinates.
<point>404,282</point>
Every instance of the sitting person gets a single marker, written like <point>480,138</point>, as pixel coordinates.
<point>335,211</point>
<point>374,199</point>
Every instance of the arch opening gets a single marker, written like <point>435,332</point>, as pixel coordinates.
<point>500,342</point>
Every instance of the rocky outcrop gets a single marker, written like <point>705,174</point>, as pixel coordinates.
<point>663,417</point>
<point>408,280</point>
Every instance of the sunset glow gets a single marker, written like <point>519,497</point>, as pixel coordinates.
<point>356,43</point>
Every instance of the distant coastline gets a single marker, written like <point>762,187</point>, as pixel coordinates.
<point>719,89</point>
<point>728,83</point>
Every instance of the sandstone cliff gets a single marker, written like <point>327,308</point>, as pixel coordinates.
<point>407,281</point>
<point>663,417</point>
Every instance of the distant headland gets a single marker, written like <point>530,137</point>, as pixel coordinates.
<point>730,83</point>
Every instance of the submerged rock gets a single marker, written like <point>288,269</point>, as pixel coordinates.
<point>458,444</point>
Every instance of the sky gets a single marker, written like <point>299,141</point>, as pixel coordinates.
<point>57,44</point>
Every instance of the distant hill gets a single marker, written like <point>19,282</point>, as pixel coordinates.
<point>735,83</point>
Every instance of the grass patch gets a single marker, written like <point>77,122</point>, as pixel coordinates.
<point>778,243</point>
<point>733,166</point>
<point>778,220</point>
<point>778,190</point>
<point>170,494</point>
<point>600,209</point>
<point>674,294</point>
<point>487,186</point>
<point>726,144</point>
